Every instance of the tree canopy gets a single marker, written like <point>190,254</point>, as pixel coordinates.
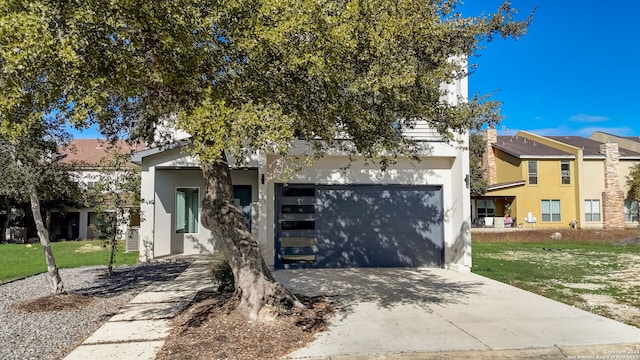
<point>477,147</point>
<point>245,73</point>
<point>633,182</point>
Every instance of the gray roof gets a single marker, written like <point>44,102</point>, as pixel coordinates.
<point>632,138</point>
<point>527,149</point>
<point>591,148</point>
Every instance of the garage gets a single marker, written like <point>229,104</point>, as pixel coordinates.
<point>334,226</point>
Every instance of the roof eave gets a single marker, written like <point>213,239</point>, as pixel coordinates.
<point>505,186</point>
<point>139,156</point>
<point>547,156</point>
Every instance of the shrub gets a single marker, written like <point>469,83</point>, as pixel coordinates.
<point>221,273</point>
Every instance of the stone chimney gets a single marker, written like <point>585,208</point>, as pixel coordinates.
<point>613,196</point>
<point>488,157</point>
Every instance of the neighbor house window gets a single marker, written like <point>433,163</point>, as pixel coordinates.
<point>565,172</point>
<point>187,201</point>
<point>486,208</point>
<point>533,172</point>
<point>630,210</point>
<point>550,210</point>
<point>592,210</point>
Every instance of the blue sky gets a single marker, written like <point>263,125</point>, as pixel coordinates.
<point>576,70</point>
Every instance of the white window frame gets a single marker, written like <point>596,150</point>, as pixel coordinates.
<point>589,214</point>
<point>568,174</point>
<point>532,174</point>
<point>548,213</point>
<point>630,211</point>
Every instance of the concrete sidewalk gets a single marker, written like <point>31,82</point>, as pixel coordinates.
<point>139,329</point>
<point>422,313</point>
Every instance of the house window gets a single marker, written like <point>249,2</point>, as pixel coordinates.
<point>565,172</point>
<point>550,210</point>
<point>533,172</point>
<point>187,202</point>
<point>592,210</point>
<point>486,208</point>
<point>630,210</point>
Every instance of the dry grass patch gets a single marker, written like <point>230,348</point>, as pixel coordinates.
<point>89,248</point>
<point>595,270</point>
<point>589,236</point>
<point>51,303</point>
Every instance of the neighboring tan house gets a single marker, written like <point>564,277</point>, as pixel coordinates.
<point>626,144</point>
<point>553,182</point>
<point>85,155</point>
<point>335,213</point>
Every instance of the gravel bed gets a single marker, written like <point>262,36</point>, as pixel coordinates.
<point>53,334</point>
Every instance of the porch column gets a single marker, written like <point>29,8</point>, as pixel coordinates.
<point>267,242</point>
<point>613,196</point>
<point>147,212</point>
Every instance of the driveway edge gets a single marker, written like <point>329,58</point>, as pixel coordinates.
<point>603,351</point>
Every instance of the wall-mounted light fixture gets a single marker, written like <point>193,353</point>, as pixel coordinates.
<point>262,179</point>
<point>467,180</point>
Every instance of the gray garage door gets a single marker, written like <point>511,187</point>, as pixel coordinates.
<point>358,225</point>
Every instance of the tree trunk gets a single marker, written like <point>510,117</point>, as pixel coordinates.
<point>255,285</point>
<point>7,220</point>
<point>43,234</point>
<point>114,243</point>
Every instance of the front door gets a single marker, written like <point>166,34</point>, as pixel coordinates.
<point>242,200</point>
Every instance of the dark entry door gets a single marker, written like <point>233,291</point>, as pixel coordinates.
<point>242,200</point>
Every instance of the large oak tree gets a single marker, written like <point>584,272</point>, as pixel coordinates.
<point>246,75</point>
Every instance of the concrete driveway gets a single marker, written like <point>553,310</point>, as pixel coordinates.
<point>393,311</point>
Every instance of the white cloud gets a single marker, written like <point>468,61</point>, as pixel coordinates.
<point>586,118</point>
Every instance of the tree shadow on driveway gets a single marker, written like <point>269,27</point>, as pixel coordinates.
<point>386,287</point>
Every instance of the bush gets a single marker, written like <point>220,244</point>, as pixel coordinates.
<point>221,272</point>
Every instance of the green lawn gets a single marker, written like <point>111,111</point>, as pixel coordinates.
<point>598,277</point>
<point>20,260</point>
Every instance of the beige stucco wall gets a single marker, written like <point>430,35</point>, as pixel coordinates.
<point>592,188</point>
<point>509,168</point>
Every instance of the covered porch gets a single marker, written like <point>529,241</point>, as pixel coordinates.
<point>493,212</point>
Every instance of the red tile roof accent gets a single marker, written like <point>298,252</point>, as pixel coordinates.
<point>89,152</point>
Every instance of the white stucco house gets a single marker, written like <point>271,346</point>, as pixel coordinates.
<point>86,157</point>
<point>413,214</point>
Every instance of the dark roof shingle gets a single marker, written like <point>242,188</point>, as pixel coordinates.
<point>590,147</point>
<point>522,147</point>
